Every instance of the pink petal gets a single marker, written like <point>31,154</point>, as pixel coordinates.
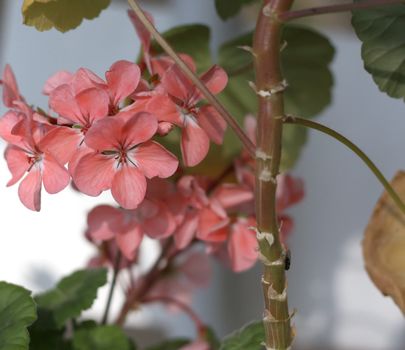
<point>105,134</point>
<point>194,143</point>
<point>59,78</point>
<point>230,196</point>
<point>62,142</point>
<point>215,79</point>
<point>98,222</point>
<point>212,227</point>
<point>10,88</point>
<point>17,162</point>
<point>140,128</point>
<point>63,102</point>
<point>29,190</point>
<point>129,187</point>
<point>94,173</point>
<point>212,123</point>
<point>85,79</point>
<point>93,104</point>
<point>7,123</point>
<point>242,247</point>
<point>290,191</point>
<point>185,233</point>
<point>55,176</point>
<point>164,109</point>
<point>160,224</point>
<point>177,84</point>
<point>154,160</point>
<point>122,79</point>
<point>128,242</point>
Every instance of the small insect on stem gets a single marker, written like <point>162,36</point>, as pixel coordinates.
<point>287,260</point>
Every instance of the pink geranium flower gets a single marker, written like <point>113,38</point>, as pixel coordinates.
<point>122,158</point>
<point>180,106</point>
<point>28,157</point>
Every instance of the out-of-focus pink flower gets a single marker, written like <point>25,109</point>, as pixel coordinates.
<point>122,158</point>
<point>180,107</point>
<point>127,227</point>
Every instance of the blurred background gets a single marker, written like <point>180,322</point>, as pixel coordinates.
<point>337,305</point>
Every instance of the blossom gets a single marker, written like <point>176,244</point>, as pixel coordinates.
<point>11,92</point>
<point>180,106</point>
<point>127,227</point>
<point>122,157</point>
<point>28,157</point>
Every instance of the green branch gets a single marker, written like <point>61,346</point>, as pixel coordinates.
<point>322,128</point>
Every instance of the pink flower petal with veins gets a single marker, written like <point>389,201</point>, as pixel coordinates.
<point>94,173</point>
<point>29,189</point>
<point>128,187</point>
<point>129,241</point>
<point>154,160</point>
<point>212,123</point>
<point>186,231</point>
<point>98,222</point>
<point>63,102</point>
<point>55,176</point>
<point>11,92</point>
<point>122,79</point>
<point>93,104</point>
<point>7,123</point>
<point>17,162</point>
<point>195,143</point>
<point>59,78</point>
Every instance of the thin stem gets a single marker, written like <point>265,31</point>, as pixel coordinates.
<point>290,15</point>
<point>322,128</point>
<point>199,325</point>
<point>116,270</point>
<point>193,77</point>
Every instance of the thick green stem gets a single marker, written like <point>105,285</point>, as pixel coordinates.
<point>231,121</point>
<point>324,10</point>
<point>269,87</point>
<point>322,128</point>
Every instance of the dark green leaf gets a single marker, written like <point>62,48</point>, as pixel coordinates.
<point>193,39</point>
<point>72,295</point>
<point>305,59</point>
<point>230,8</point>
<point>383,51</point>
<point>212,339</point>
<point>173,344</point>
<point>101,338</point>
<point>17,312</point>
<point>60,14</point>
<point>249,337</point>
<point>48,340</point>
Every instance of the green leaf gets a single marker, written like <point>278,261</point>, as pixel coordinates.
<point>193,39</point>
<point>305,59</point>
<point>172,344</point>
<point>48,340</point>
<point>212,339</point>
<point>227,8</point>
<point>62,15</point>
<point>383,51</point>
<point>101,338</point>
<point>72,295</point>
<point>250,337</point>
<point>17,312</point>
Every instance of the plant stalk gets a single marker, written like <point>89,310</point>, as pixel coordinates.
<point>323,10</point>
<point>116,269</point>
<point>370,164</point>
<point>269,87</point>
<point>231,121</point>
